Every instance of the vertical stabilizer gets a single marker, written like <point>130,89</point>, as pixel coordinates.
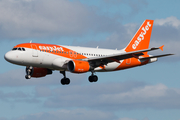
<point>142,37</point>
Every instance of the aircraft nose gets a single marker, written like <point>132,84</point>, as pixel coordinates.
<point>9,56</point>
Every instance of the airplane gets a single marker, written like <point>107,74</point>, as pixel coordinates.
<point>42,59</point>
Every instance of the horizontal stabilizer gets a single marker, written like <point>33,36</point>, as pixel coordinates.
<point>156,56</point>
<point>161,47</point>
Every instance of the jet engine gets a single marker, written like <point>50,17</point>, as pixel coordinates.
<point>77,66</point>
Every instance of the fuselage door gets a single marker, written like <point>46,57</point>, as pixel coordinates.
<point>34,50</point>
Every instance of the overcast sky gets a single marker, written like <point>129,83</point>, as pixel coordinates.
<point>149,92</point>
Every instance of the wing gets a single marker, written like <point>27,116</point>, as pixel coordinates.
<point>104,60</point>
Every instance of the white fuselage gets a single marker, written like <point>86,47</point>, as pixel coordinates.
<point>38,58</point>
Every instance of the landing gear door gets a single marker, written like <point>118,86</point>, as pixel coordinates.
<point>34,50</point>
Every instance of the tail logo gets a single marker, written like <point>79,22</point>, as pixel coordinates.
<point>141,36</point>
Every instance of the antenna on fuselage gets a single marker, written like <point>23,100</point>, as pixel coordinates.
<point>31,41</point>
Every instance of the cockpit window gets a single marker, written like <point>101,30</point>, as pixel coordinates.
<point>20,49</point>
<point>23,49</point>
<point>14,49</point>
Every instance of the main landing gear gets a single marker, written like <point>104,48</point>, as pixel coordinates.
<point>66,81</point>
<point>93,78</point>
<point>29,71</point>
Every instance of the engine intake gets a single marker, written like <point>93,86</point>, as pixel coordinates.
<point>77,66</point>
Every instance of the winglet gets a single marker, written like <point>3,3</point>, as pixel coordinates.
<point>161,47</point>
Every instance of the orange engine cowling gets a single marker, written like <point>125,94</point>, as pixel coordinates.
<point>40,72</point>
<point>77,66</point>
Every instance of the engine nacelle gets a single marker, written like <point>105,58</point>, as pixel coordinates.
<point>77,66</point>
<point>39,72</point>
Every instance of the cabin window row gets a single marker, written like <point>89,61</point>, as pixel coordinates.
<point>89,54</point>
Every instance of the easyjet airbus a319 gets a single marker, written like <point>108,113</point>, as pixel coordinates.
<point>41,59</point>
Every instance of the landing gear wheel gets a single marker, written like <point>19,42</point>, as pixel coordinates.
<point>93,78</point>
<point>28,76</point>
<point>90,78</point>
<point>65,81</point>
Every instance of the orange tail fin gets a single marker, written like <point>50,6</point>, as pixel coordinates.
<point>142,37</point>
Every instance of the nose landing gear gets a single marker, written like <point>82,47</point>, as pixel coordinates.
<point>29,71</point>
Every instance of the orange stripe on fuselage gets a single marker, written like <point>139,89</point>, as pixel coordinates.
<point>53,49</point>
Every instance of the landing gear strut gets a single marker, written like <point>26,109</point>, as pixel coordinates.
<point>29,71</point>
<point>93,78</point>
<point>64,81</point>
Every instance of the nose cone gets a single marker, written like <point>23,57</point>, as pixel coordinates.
<point>14,57</point>
<point>9,56</point>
